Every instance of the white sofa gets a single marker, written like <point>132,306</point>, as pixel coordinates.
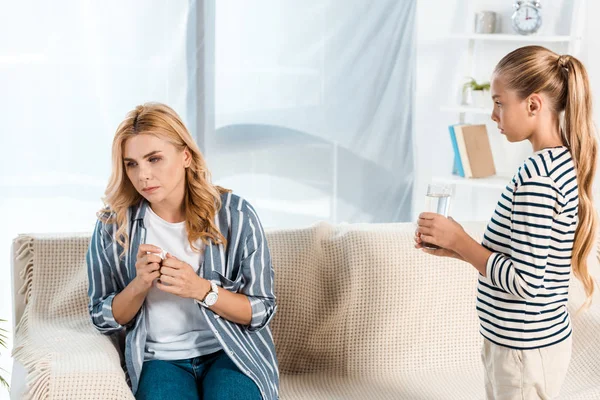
<point>362,314</point>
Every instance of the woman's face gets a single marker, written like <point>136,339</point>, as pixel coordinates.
<point>156,168</point>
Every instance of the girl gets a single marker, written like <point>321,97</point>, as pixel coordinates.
<point>183,267</point>
<point>542,229</point>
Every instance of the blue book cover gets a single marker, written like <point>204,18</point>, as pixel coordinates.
<point>457,169</point>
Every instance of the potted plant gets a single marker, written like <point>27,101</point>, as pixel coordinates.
<point>476,94</point>
<point>3,339</point>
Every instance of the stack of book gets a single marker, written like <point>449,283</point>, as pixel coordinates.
<point>472,151</point>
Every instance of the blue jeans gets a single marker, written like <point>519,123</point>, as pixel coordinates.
<point>210,377</point>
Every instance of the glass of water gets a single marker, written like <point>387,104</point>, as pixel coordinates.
<point>437,201</point>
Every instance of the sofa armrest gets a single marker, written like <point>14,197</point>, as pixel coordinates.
<point>83,364</point>
<point>55,341</point>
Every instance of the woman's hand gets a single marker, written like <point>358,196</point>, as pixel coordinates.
<point>435,252</point>
<point>147,267</point>
<point>127,303</point>
<point>438,230</point>
<point>179,278</point>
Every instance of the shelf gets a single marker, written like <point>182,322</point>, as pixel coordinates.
<point>504,37</point>
<point>494,182</point>
<point>468,109</point>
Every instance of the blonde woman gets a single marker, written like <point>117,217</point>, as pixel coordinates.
<point>542,229</point>
<point>183,267</point>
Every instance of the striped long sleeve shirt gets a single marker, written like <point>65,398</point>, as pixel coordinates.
<point>242,266</point>
<point>522,300</point>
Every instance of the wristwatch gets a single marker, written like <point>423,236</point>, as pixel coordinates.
<point>211,297</point>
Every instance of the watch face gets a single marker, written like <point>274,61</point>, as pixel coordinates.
<point>527,19</point>
<point>211,299</point>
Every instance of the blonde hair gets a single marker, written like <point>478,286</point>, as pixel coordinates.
<point>202,199</point>
<point>535,69</point>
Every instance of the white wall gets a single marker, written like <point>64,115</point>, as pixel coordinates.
<point>590,54</point>
<point>441,67</point>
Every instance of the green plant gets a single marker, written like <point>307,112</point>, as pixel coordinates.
<point>472,83</point>
<point>3,339</point>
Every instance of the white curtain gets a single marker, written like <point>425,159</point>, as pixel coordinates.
<point>70,71</point>
<point>313,108</point>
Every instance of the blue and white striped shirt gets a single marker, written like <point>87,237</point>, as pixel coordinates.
<point>243,266</point>
<point>522,303</point>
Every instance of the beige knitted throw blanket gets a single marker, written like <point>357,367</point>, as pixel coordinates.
<point>362,314</point>
<point>65,356</point>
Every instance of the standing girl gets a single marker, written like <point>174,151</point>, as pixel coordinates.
<point>542,229</point>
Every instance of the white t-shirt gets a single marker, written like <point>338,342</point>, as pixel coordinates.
<point>176,327</point>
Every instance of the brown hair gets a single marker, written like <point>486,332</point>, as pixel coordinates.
<point>202,200</point>
<point>535,69</point>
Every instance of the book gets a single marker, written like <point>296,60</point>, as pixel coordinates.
<point>457,168</point>
<point>476,153</point>
<point>462,150</point>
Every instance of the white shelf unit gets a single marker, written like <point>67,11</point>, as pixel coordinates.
<point>494,182</point>
<point>467,109</point>
<point>505,37</point>
<point>572,40</point>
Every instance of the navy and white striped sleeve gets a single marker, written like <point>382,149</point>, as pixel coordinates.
<point>536,204</point>
<point>258,273</point>
<point>102,284</point>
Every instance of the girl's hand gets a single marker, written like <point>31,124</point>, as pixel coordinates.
<point>438,230</point>
<point>179,278</point>
<point>435,252</point>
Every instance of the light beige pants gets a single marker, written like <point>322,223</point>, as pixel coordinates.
<point>525,374</point>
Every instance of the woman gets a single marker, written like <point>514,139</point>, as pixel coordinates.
<point>183,267</point>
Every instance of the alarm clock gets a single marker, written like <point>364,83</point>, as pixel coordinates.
<point>527,17</point>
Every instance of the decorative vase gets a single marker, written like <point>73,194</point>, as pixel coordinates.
<point>485,22</point>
